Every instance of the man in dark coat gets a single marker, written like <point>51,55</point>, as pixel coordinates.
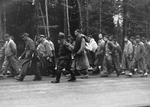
<point>116,56</point>
<point>80,62</point>
<point>108,61</point>
<point>30,60</point>
<point>64,58</point>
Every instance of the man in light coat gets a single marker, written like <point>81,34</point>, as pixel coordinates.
<point>10,50</point>
<point>127,54</point>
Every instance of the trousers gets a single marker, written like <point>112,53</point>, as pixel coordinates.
<point>11,61</point>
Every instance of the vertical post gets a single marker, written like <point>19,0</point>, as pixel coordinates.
<point>124,20</point>
<point>43,18</point>
<point>47,19</point>
<point>67,13</point>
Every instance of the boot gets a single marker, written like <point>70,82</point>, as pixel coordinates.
<point>118,73</point>
<point>58,76</point>
<point>145,74</point>
<point>19,78</point>
<point>55,81</point>
<point>104,74</point>
<point>73,78</point>
<point>84,76</point>
<point>130,74</point>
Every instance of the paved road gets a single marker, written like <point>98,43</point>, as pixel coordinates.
<point>93,92</point>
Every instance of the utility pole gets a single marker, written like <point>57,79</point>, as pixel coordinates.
<point>47,19</point>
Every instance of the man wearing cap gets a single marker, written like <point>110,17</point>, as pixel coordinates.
<point>30,60</point>
<point>116,56</point>
<point>10,51</point>
<point>127,55</point>
<point>147,53</point>
<point>81,62</point>
<point>99,54</point>
<point>48,53</point>
<point>64,58</point>
<point>108,61</point>
<point>139,57</point>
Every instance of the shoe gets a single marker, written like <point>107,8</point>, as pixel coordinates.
<point>37,79</point>
<point>122,73</point>
<point>130,75</point>
<point>90,68</point>
<point>55,81</point>
<point>2,77</point>
<point>84,77</point>
<point>104,74</point>
<point>145,74</point>
<point>118,73</point>
<point>19,78</point>
<point>140,71</point>
<point>73,79</point>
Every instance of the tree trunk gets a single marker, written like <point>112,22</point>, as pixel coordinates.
<point>100,16</point>
<point>65,17</point>
<point>80,15</point>
<point>47,19</point>
<point>68,22</point>
<point>87,18</point>
<point>124,20</point>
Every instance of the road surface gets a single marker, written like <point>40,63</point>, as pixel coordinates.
<point>92,92</point>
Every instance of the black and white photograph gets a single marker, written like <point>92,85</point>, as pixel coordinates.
<point>74,53</point>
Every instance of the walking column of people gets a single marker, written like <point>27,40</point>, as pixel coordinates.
<point>80,56</point>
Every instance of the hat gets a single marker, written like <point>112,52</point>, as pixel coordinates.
<point>90,36</point>
<point>25,35</point>
<point>6,35</point>
<point>61,35</point>
<point>138,36</point>
<point>143,37</point>
<point>100,36</point>
<point>106,36</point>
<point>131,37</point>
<point>42,36</point>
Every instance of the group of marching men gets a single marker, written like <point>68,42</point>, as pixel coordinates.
<point>76,56</point>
